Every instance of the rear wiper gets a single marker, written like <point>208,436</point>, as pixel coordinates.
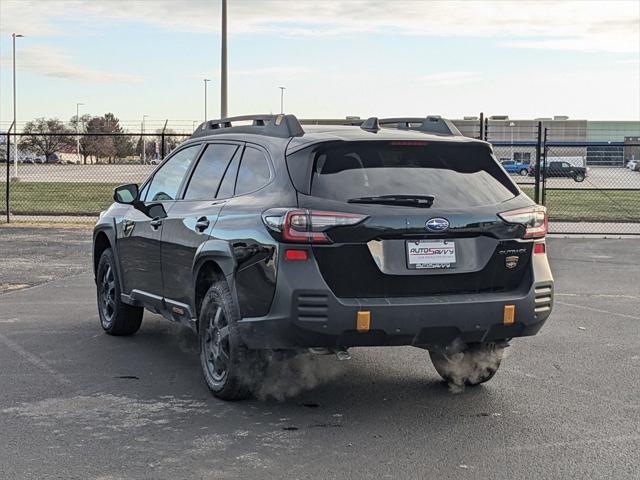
<point>421,201</point>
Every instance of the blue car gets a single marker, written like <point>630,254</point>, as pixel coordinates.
<point>513,166</point>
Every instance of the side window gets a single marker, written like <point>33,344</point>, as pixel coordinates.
<point>253,172</point>
<point>167,180</point>
<point>229,181</point>
<point>209,171</point>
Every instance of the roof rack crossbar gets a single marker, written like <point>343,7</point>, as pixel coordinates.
<point>431,124</point>
<point>283,126</point>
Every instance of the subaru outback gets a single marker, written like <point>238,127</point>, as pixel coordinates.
<point>273,237</point>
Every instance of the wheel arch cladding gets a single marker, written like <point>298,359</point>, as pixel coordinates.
<point>100,244</point>
<point>208,272</point>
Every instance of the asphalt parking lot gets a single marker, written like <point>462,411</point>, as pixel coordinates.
<point>76,403</point>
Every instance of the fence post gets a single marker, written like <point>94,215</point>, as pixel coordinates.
<point>162,147</point>
<point>481,125</point>
<point>537,169</point>
<point>544,168</point>
<point>486,129</point>
<point>8,166</point>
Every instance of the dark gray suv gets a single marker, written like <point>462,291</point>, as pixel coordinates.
<point>271,236</point>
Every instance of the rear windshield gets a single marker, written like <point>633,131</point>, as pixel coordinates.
<point>456,175</point>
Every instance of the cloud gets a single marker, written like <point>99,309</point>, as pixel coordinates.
<point>612,26</point>
<point>54,62</point>
<point>449,78</point>
<point>277,72</point>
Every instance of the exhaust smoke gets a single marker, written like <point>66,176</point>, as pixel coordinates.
<point>466,365</point>
<point>279,376</point>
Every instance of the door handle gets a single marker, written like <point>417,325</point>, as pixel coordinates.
<point>155,223</point>
<point>201,224</point>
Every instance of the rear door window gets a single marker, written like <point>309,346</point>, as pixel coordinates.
<point>456,175</point>
<point>228,184</point>
<point>254,171</point>
<point>208,173</point>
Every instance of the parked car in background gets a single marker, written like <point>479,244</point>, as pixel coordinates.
<point>30,158</point>
<point>634,165</point>
<point>54,158</point>
<point>513,166</point>
<point>561,169</point>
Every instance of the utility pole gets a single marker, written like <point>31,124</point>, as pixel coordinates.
<point>144,142</point>
<point>223,61</point>
<point>282,89</point>
<point>205,98</point>
<point>78,136</point>
<point>15,123</point>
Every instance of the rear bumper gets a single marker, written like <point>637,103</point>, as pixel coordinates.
<point>305,313</point>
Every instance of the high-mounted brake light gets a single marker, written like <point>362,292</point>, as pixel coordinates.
<point>534,218</point>
<point>307,226</point>
<point>409,143</point>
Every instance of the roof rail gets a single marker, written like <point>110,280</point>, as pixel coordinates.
<point>431,124</point>
<point>282,126</point>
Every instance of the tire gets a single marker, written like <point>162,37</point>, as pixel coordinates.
<point>475,364</point>
<point>229,367</point>
<point>116,317</point>
<point>524,172</point>
<point>579,177</point>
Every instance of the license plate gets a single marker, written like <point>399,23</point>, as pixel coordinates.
<point>431,254</point>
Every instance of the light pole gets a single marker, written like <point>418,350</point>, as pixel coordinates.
<point>77,124</point>
<point>144,142</point>
<point>15,123</point>
<point>282,89</point>
<point>206,80</point>
<point>223,63</point>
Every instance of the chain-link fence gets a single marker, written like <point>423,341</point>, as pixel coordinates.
<point>588,175</point>
<point>588,184</point>
<point>70,178</point>
<point>592,187</point>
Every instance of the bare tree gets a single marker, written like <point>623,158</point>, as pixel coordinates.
<point>94,143</point>
<point>39,142</point>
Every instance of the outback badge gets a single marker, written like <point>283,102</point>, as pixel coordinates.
<point>511,261</point>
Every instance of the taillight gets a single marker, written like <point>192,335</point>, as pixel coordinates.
<point>307,226</point>
<point>533,218</point>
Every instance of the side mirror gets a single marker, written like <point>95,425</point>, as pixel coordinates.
<point>127,194</point>
<point>156,211</point>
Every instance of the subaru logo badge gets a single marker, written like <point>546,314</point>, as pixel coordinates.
<point>437,224</point>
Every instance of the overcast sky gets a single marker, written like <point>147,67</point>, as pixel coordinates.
<point>336,58</point>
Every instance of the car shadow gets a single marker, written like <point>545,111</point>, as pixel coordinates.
<point>375,379</point>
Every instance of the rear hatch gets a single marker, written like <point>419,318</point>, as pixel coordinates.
<point>430,218</point>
